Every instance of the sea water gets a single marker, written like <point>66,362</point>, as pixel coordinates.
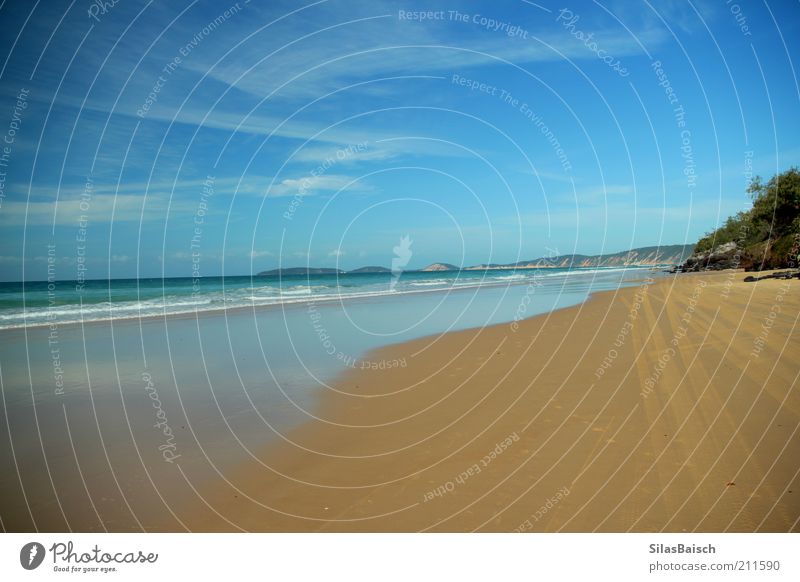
<point>124,390</point>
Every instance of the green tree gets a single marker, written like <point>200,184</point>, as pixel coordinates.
<point>768,235</point>
<point>776,204</point>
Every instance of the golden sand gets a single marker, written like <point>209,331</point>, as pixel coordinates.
<point>665,407</point>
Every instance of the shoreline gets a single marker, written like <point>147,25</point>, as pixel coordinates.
<point>355,272</point>
<point>487,428</point>
<point>323,299</point>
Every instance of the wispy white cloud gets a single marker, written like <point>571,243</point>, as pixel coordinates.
<point>310,185</point>
<point>370,151</point>
<point>323,52</point>
<point>101,210</point>
<point>307,56</point>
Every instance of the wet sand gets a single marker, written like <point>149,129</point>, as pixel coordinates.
<point>665,407</point>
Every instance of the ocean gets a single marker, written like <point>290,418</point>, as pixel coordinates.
<point>40,303</point>
<point>249,359</point>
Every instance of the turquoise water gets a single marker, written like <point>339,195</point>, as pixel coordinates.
<point>42,303</point>
<point>227,382</point>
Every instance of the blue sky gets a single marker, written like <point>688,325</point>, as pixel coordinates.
<point>226,138</point>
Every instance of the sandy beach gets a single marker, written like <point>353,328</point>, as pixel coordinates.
<point>349,273</point>
<point>666,405</point>
<point>670,406</point>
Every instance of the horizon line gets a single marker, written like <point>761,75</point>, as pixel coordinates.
<point>483,266</point>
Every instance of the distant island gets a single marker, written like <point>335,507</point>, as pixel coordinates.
<point>301,271</point>
<point>320,271</point>
<point>645,256</point>
<point>441,267</point>
<point>370,270</point>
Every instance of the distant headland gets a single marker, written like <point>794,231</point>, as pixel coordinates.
<point>644,256</point>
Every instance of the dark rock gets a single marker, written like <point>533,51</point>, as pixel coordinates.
<point>781,275</point>
<point>724,256</point>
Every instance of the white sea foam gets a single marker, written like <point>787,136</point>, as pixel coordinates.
<point>271,295</point>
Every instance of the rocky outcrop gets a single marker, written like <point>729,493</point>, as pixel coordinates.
<point>759,256</point>
<point>781,275</point>
<point>725,256</point>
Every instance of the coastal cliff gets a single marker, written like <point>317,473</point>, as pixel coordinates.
<point>645,256</point>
